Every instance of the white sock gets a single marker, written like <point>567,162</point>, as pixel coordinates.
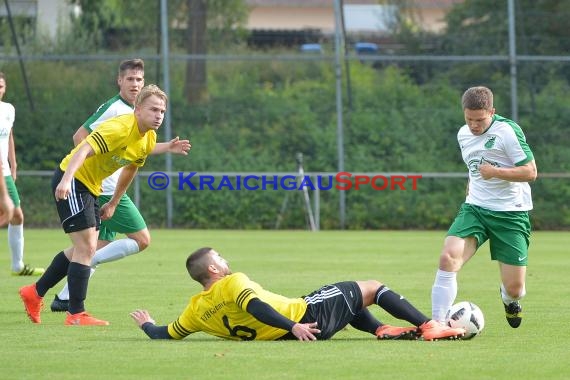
<point>115,250</point>
<point>111,252</point>
<point>508,299</point>
<point>443,294</point>
<point>16,242</point>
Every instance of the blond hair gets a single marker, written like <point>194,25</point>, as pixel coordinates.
<point>148,91</point>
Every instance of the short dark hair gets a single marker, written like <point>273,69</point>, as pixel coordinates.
<point>131,64</point>
<point>197,264</point>
<point>477,98</point>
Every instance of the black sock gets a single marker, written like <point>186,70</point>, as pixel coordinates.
<point>56,271</point>
<point>398,306</point>
<point>365,321</point>
<point>77,279</point>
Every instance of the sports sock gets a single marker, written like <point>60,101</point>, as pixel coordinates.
<point>64,293</point>
<point>508,299</point>
<point>398,306</point>
<point>111,252</point>
<point>114,251</point>
<point>78,278</point>
<point>16,242</point>
<point>365,321</point>
<point>56,271</point>
<point>443,294</point>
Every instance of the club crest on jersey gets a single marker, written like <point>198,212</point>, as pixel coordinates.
<point>490,143</point>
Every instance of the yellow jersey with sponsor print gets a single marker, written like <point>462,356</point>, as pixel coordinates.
<point>117,142</point>
<point>221,311</point>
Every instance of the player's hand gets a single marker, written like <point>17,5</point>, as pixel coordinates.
<point>6,209</point>
<point>179,146</point>
<point>107,211</point>
<point>305,331</point>
<point>487,171</point>
<point>62,190</point>
<point>141,317</point>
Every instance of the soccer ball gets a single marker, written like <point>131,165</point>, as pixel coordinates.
<point>466,315</point>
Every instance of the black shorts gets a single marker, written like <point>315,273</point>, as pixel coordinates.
<point>332,307</point>
<point>80,210</point>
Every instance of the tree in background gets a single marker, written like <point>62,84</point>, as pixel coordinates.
<point>210,23</point>
<point>196,27</point>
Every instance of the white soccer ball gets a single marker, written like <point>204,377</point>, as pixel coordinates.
<point>466,315</point>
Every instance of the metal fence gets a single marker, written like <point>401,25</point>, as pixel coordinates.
<point>165,67</point>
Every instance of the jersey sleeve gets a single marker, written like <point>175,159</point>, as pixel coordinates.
<point>516,146</point>
<point>108,136</point>
<point>11,115</point>
<point>242,290</point>
<point>181,327</point>
<point>104,112</point>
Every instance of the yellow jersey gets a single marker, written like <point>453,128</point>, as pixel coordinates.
<point>117,142</point>
<point>221,311</point>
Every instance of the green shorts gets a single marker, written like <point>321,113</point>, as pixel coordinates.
<point>126,219</point>
<point>508,232</point>
<point>12,190</point>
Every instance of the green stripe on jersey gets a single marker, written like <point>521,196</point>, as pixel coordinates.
<point>101,110</point>
<point>520,137</point>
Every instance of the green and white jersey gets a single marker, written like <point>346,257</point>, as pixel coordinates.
<point>7,116</point>
<point>113,107</point>
<point>503,145</point>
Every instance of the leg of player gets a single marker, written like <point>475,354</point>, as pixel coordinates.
<point>16,235</point>
<point>110,251</point>
<point>512,290</point>
<point>373,292</point>
<point>84,246</point>
<point>456,252</point>
<point>118,249</point>
<point>127,220</point>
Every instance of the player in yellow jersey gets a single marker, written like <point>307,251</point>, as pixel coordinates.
<point>124,141</point>
<point>232,306</point>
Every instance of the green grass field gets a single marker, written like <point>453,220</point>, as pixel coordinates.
<point>291,263</point>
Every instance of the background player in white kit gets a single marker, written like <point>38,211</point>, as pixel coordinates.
<point>127,219</point>
<point>500,165</point>
<point>9,170</point>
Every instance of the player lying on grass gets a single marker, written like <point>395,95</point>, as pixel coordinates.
<point>232,306</point>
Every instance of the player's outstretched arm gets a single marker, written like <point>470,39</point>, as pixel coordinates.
<point>143,319</point>
<point>175,146</point>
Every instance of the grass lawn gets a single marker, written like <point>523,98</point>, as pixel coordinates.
<point>291,263</point>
